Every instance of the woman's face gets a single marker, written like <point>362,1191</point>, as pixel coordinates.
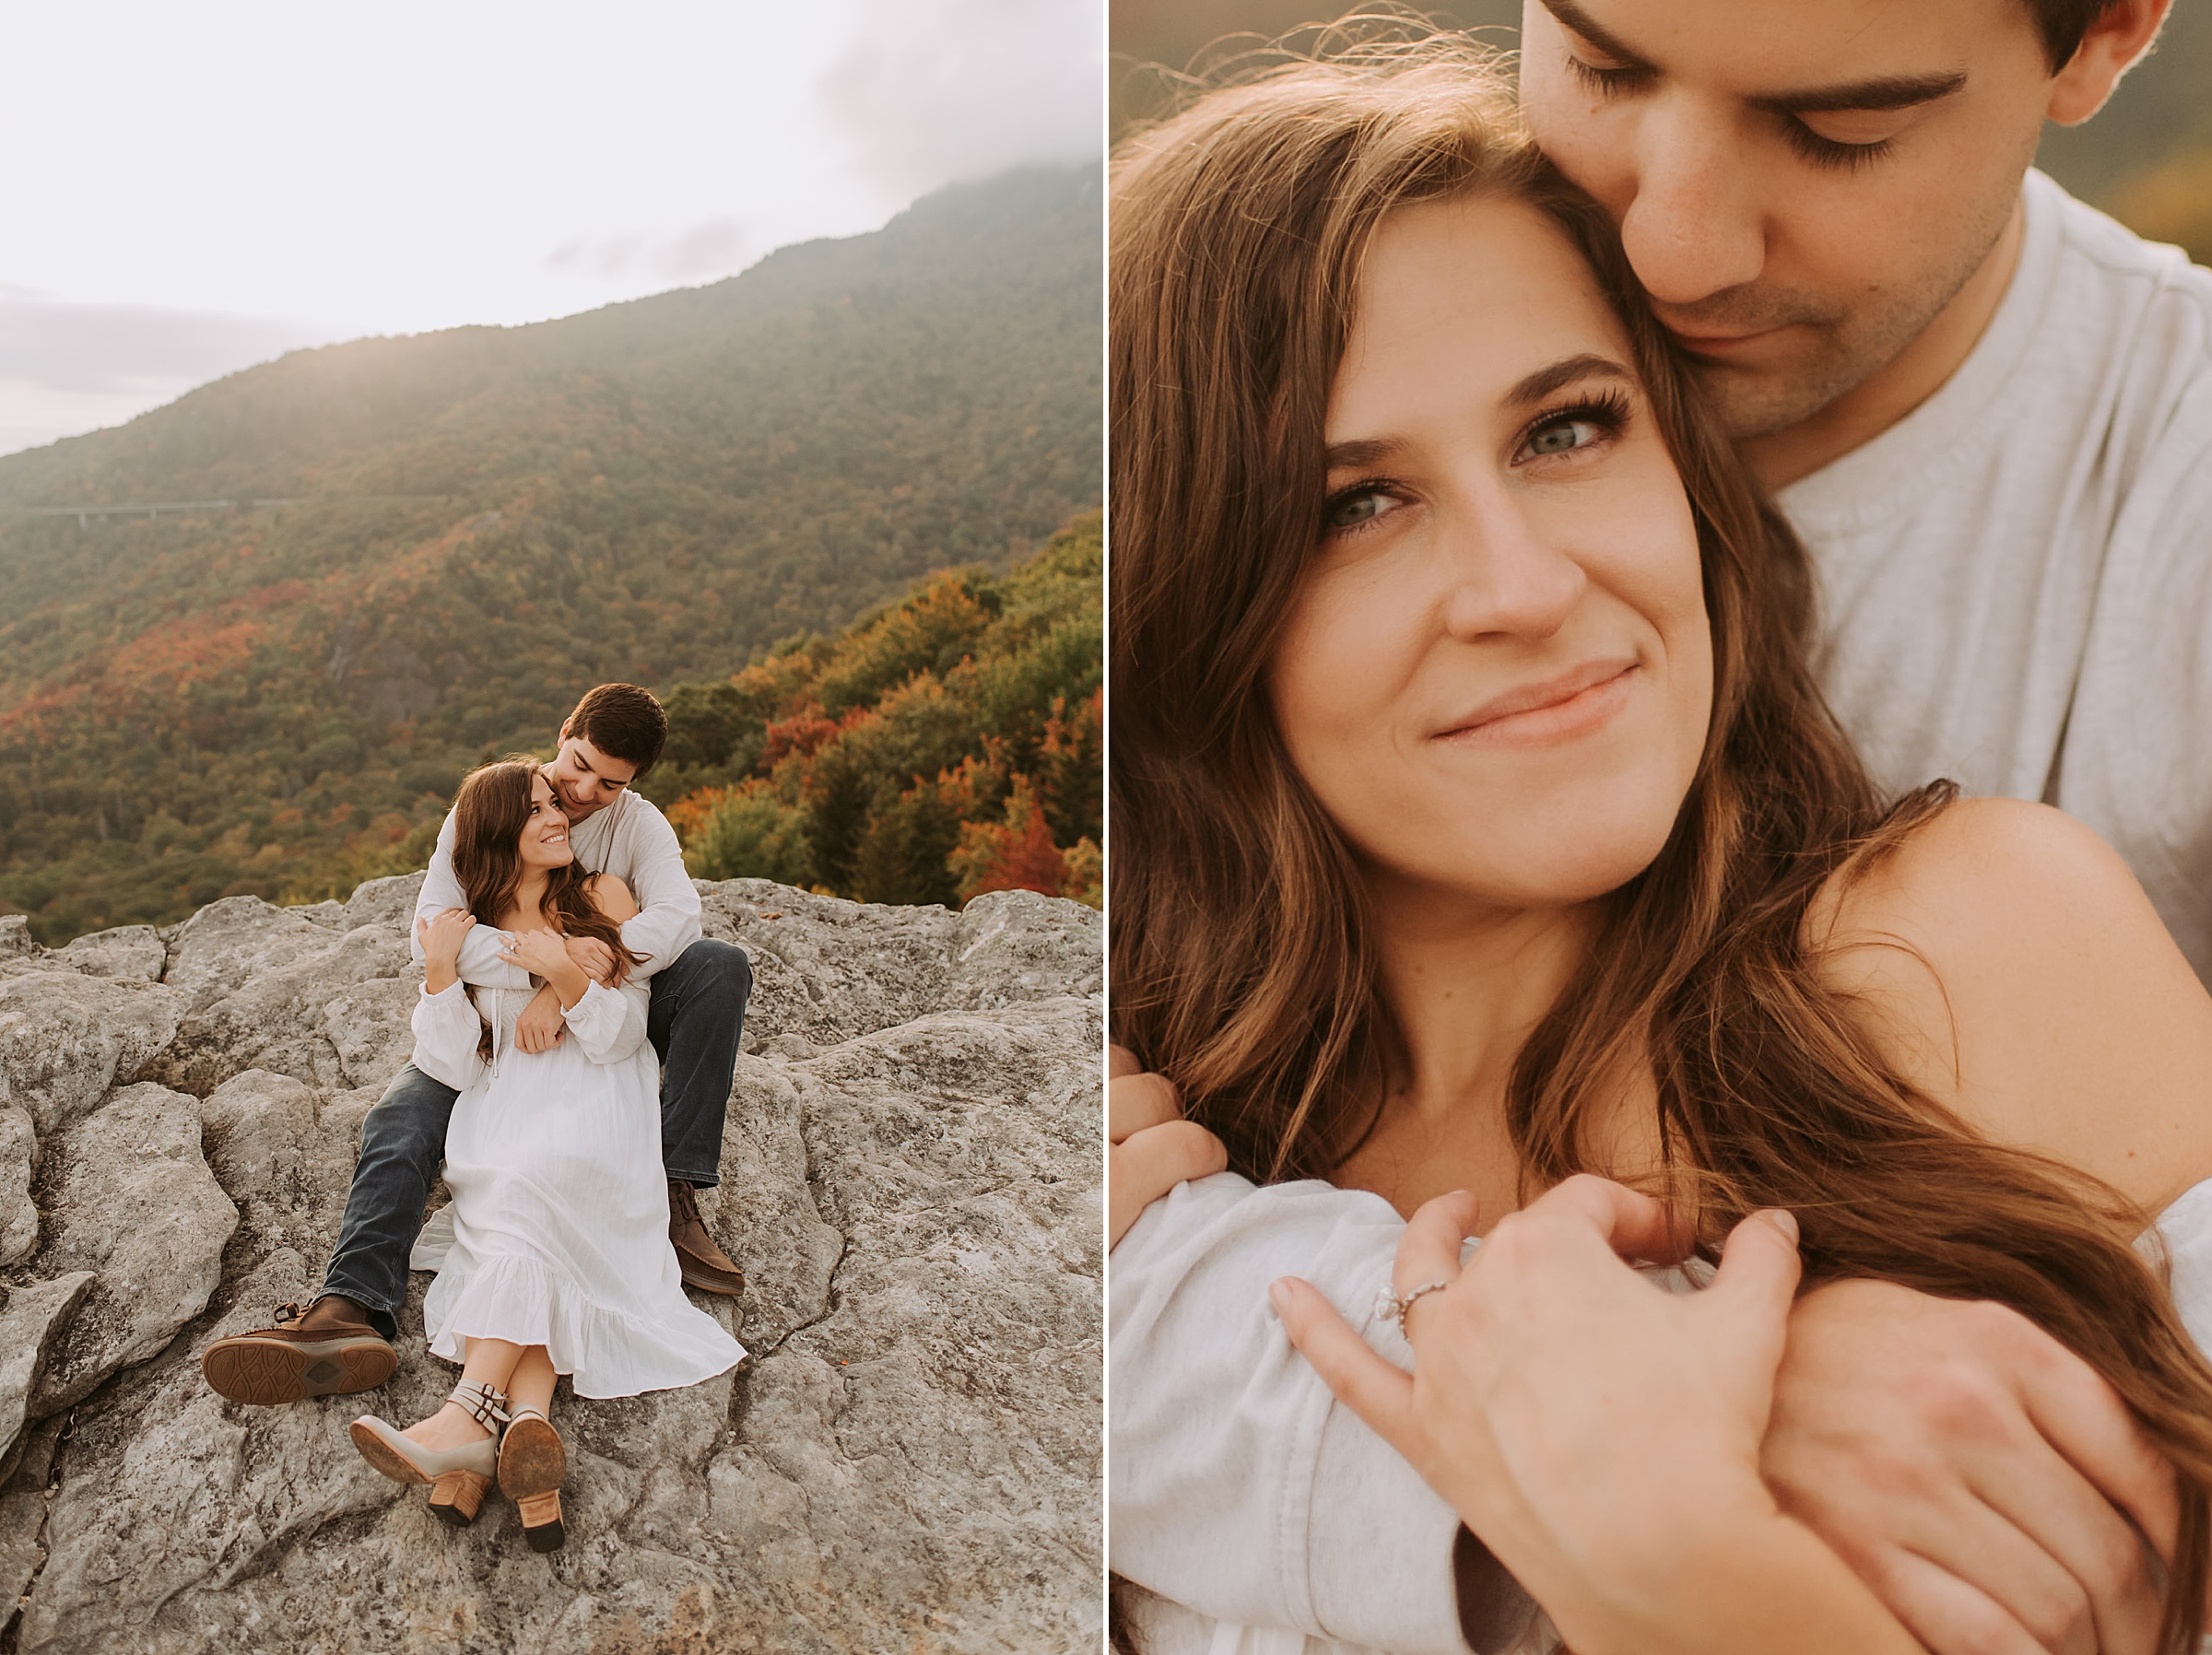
<point>1497,675</point>
<point>545,842</point>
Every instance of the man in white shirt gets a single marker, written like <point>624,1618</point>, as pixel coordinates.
<point>342,1343</point>
<point>1988,411</point>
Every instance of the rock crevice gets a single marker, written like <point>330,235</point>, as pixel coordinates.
<point>909,1458</point>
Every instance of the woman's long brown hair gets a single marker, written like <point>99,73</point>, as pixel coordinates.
<point>1243,959</point>
<point>489,813</point>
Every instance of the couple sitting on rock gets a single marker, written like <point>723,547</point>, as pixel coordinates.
<point>555,895</point>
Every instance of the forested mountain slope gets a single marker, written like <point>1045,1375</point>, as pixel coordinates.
<point>476,523</point>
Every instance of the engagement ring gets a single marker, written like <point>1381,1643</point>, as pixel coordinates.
<point>1392,1307</point>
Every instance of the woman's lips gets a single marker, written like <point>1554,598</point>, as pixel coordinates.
<point>1553,710</point>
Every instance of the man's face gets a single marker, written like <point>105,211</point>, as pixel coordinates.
<point>586,780</point>
<point>1802,185</point>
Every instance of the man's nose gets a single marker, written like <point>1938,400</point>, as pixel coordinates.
<point>1695,227</point>
<point>1507,576</point>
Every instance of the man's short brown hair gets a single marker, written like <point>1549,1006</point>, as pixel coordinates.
<point>623,722</point>
<point>2061,23</point>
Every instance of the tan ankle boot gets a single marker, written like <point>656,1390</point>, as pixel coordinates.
<point>458,1478</point>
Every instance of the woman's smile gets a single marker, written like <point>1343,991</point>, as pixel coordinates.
<point>1557,709</point>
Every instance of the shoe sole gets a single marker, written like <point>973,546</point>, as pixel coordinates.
<point>532,1460</point>
<point>265,1372</point>
<point>709,1280</point>
<point>386,1459</point>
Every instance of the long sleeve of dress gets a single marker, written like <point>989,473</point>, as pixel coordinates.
<point>610,1024</point>
<point>479,961</point>
<point>446,1031</point>
<point>1240,1489</point>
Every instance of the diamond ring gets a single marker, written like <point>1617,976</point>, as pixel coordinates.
<point>1392,1307</point>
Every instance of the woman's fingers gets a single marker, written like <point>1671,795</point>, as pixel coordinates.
<point>1374,1389</point>
<point>1121,1060</point>
<point>2082,1416</point>
<point>1137,1101</point>
<point>1637,1227</point>
<point>1147,1164</point>
<point>1949,1616</point>
<point>1429,1251</point>
<point>1759,1266</point>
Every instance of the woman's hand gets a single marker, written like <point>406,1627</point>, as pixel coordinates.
<point>1152,1148</point>
<point>545,954</point>
<point>1598,1433</point>
<point>441,937</point>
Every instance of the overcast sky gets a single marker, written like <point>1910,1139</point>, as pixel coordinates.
<point>191,188</point>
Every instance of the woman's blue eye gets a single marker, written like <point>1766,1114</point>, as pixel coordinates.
<point>1349,510</point>
<point>1564,437</point>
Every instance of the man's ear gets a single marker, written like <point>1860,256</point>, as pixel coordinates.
<point>564,730</point>
<point>2116,39</point>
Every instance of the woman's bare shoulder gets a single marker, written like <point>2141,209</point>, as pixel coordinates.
<point>2014,968</point>
<point>611,896</point>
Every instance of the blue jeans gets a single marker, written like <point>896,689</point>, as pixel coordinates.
<point>696,1016</point>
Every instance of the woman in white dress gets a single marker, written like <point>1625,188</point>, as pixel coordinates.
<point>553,1257</point>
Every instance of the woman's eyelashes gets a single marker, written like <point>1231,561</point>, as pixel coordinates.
<point>1558,434</point>
<point>1351,509</point>
<point>1586,424</point>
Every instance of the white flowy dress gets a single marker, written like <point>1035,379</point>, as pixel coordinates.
<point>557,1231</point>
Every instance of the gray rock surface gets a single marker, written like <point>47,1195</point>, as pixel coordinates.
<point>18,1160</point>
<point>907,1460</point>
<point>66,1039</point>
<point>27,1325</point>
<point>125,1193</point>
<point>136,952</point>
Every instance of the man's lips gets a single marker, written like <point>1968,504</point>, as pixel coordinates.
<point>1720,344</point>
<point>1563,705</point>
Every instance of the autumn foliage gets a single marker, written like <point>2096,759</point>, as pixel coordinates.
<point>947,745</point>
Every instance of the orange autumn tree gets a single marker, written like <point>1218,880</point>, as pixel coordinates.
<point>946,745</point>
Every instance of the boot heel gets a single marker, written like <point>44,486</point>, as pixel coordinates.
<point>457,1496</point>
<point>542,1528</point>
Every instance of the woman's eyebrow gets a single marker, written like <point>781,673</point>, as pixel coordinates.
<point>1361,452</point>
<point>1567,370</point>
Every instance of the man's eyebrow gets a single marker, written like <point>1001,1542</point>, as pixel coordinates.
<point>1567,370</point>
<point>1574,18</point>
<point>1882,92</point>
<point>1876,92</point>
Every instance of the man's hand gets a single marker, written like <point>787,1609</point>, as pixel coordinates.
<point>593,959</point>
<point>540,1027</point>
<point>1968,1467</point>
<point>1153,1148</point>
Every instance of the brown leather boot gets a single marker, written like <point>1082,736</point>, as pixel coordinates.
<point>321,1351</point>
<point>705,1266</point>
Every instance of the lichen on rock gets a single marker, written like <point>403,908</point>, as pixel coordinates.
<point>910,1458</point>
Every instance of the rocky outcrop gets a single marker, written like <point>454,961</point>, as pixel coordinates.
<point>909,1458</point>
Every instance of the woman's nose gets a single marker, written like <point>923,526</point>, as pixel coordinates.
<point>1507,576</point>
<point>1694,226</point>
